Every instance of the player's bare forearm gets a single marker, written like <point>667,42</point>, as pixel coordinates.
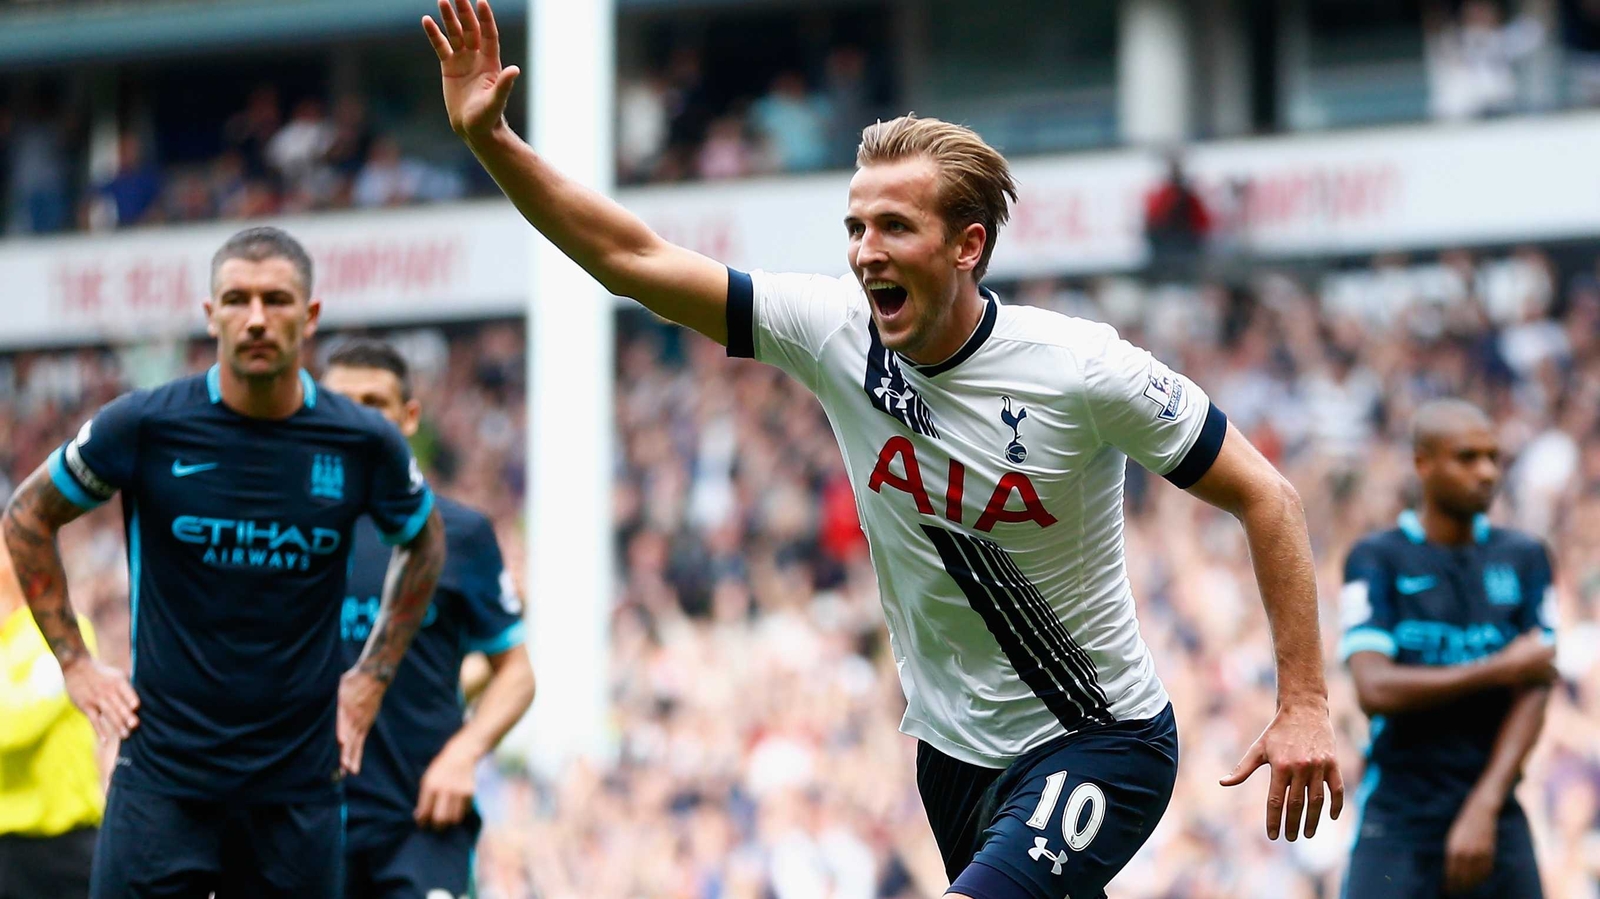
<point>1280,551</point>
<point>407,591</point>
<point>36,512</point>
<point>1241,481</point>
<point>1385,687</point>
<point>612,244</point>
<point>502,703</point>
<point>1518,734</point>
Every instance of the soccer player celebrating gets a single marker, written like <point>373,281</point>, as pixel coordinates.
<point>986,445</point>
<point>1449,634</point>
<point>412,825</point>
<point>240,490</point>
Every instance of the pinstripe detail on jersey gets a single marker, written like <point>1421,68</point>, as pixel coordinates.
<point>1043,654</point>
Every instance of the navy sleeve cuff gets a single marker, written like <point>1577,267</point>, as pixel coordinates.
<point>1198,460</point>
<point>741,315</point>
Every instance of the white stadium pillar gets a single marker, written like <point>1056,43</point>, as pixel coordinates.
<point>570,421</point>
<point>1155,67</point>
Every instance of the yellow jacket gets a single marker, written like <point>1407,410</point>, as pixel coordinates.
<point>49,779</point>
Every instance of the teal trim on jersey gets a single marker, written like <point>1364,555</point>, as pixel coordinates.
<point>413,525</point>
<point>214,385</point>
<point>309,385</point>
<point>513,636</point>
<point>1411,523</point>
<point>1375,729</point>
<point>68,485</point>
<point>1367,639</point>
<point>472,868</point>
<point>1480,528</point>
<point>135,568</point>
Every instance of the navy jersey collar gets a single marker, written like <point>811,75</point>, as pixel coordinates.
<point>991,311</point>
<point>1411,525</point>
<point>308,386</point>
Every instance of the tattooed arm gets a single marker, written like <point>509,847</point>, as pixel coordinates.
<point>36,512</point>
<point>407,591</point>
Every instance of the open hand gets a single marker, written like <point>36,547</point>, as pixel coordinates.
<point>104,696</point>
<point>1298,746</point>
<point>360,694</point>
<point>1469,849</point>
<point>476,87</point>
<point>447,787</point>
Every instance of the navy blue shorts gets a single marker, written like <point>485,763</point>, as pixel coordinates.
<point>1394,869</point>
<point>1060,821</point>
<point>415,864</point>
<point>153,847</point>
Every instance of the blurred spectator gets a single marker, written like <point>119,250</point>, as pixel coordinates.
<point>641,126</point>
<point>352,137</point>
<point>188,199</point>
<point>795,123</point>
<point>249,130</point>
<point>1580,37</point>
<point>1472,58</point>
<point>129,198</point>
<point>727,152</point>
<point>299,154</point>
<point>1176,221</point>
<point>36,170</point>
<point>388,179</point>
<point>848,99</point>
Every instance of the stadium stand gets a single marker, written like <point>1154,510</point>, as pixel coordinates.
<point>738,551</point>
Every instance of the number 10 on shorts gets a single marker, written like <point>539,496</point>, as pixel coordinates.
<point>1076,830</point>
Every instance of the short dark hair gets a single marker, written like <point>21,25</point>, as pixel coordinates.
<point>264,242</point>
<point>365,352</point>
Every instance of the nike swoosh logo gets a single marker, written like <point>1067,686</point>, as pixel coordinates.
<point>1413,585</point>
<point>180,470</point>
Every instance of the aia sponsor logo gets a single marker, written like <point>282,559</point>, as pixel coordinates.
<point>899,453</point>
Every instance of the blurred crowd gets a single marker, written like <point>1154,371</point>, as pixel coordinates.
<point>273,156</point>
<point>673,126</point>
<point>753,699</point>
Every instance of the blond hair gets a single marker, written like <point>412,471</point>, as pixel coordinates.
<point>974,179</point>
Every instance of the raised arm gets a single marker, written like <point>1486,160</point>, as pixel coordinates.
<point>610,243</point>
<point>407,590</point>
<point>1298,744</point>
<point>36,512</point>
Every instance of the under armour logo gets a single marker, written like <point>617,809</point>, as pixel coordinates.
<point>886,385</point>
<point>1057,859</point>
<point>902,399</point>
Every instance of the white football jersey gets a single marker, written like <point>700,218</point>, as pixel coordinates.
<point>990,490</point>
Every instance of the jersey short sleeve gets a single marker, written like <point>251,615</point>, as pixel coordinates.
<point>90,468</point>
<point>492,611</point>
<point>1538,608</point>
<point>399,499</point>
<point>784,319</point>
<point>1366,612</point>
<point>1159,418</point>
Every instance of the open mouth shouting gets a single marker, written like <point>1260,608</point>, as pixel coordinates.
<point>887,296</point>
